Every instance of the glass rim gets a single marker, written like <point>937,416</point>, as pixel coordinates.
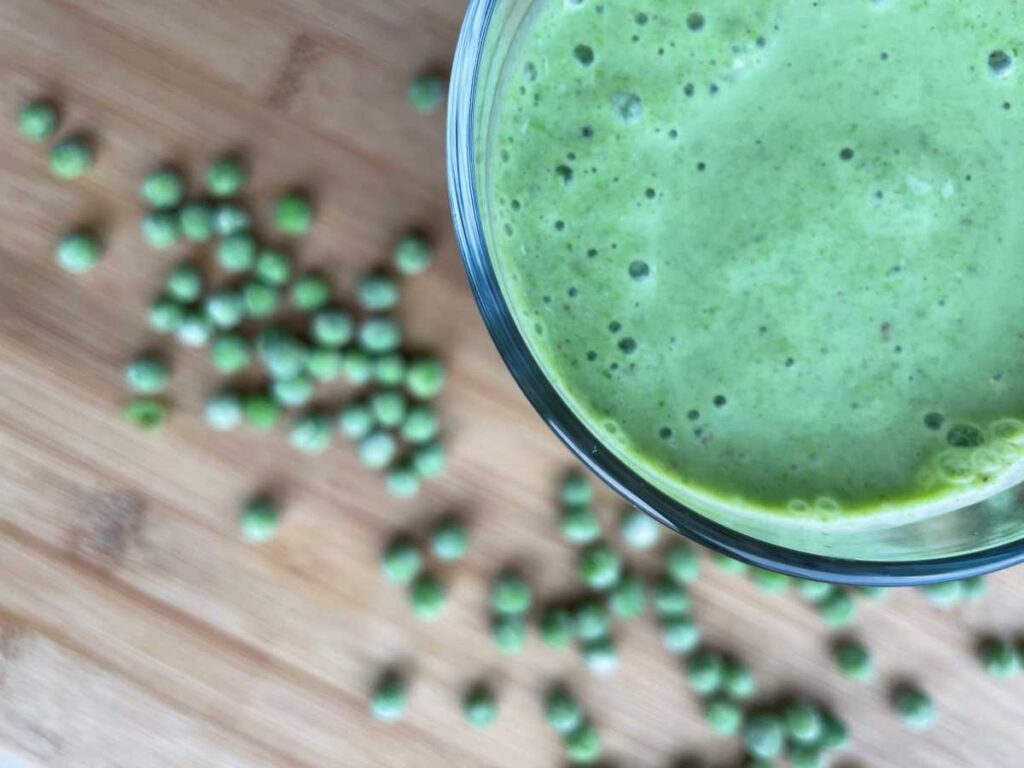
<point>571,430</point>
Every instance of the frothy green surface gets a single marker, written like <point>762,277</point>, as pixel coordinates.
<point>773,251</point>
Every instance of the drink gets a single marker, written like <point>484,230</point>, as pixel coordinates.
<point>772,252</point>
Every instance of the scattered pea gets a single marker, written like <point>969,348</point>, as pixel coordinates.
<point>72,157</point>
<point>853,659</point>
<point>310,292</point>
<point>914,707</point>
<point>79,251</point>
<point>421,424</point>
<point>591,618</point>
<point>834,733</point>
<point>669,598</point>
<point>807,756</point>
<point>389,407</point>
<point>770,582</point>
<point>873,593</point>
<point>682,563</point>
<point>600,655</point>
<point>38,120</point>
<point>429,459</point>
<point>556,627</point>
<point>600,566</point>
<point>147,375</point>
<point>284,356</point>
<point>377,449</point>
<point>563,713</point>
<point>510,594</point>
<point>225,308</point>
<point>389,370</point>
<point>237,252</point>
<point>803,722</point>
<point>261,411</point>
<point>293,214</point>
<point>389,698</point>
<point>185,283</point>
<point>165,315</point>
<point>628,598</point>
<point>763,736</point>
<point>311,432</point>
<point>973,588</point>
<point>724,716</point>
<point>260,300</point>
<point>637,529</point>
<point>426,92</point>
<point>379,336</point>
<point>147,413</point>
<point>378,292</point>
<point>412,255</point>
<point>223,411</point>
<point>230,353</point>
<point>357,367</point>
<point>509,632</point>
<point>273,267</point>
<point>583,745</point>
<point>425,377</point>
<point>260,519</point>
<point>730,564</point>
<point>231,219</point>
<point>450,539</point>
<point>225,177</point>
<point>196,221</point>
<point>401,561</point>
<point>324,364</point>
<point>403,481</point>
<point>195,329</point>
<point>738,680</point>
<point>813,591</point>
<point>945,594</point>
<point>704,670</point>
<point>576,490</point>
<point>999,658</point>
<point>332,328</point>
<point>579,525</point>
<point>428,596</point>
<point>294,392</point>
<point>160,229</point>
<point>356,421</point>
<point>679,634</point>
<point>838,609</point>
<point>479,706</point>
<point>163,188</point>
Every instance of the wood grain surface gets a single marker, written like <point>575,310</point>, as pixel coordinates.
<point>136,629</point>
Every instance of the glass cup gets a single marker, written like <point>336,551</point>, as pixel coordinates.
<point>954,544</point>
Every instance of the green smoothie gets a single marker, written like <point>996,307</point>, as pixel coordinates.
<point>772,251</point>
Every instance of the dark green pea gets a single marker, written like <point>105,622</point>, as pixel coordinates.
<point>450,539</point>
<point>763,736</point>
<point>165,315</point>
<point>679,634</point>
<point>682,564</point>
<point>509,632</point>
<point>260,300</point>
<point>834,734</point>
<point>146,413</point>
<point>556,627</point>
<point>429,459</point>
<point>237,252</point>
<point>770,582</point>
<point>428,597</point>
<point>325,364</point>
<point>669,598</point>
<point>427,92</point>
<point>389,370</point>
<point>853,659</point>
<point>311,432</point>
<point>628,598</point>
<point>803,722</point>
<point>807,756</point>
<point>738,680</point>
<point>273,267</point>
<point>562,711</point>
<point>310,293</point>
<point>591,618</point>
<point>704,669</point>
<point>914,707</point>
<point>583,745</point>
<point>600,655</point>
<point>403,481</point>
<point>425,378</point>
<point>999,658</point>
<point>600,566</point>
<point>838,609</point>
<point>196,221</point>
<point>576,490</point>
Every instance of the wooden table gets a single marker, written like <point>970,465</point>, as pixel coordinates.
<point>136,629</point>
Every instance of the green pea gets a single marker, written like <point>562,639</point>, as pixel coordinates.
<point>389,370</point>
<point>973,588</point>
<point>285,357</point>
<point>310,292</point>
<point>425,377</point>
<point>591,618</point>
<point>763,736</point>
<point>803,722</point>
<point>600,655</point>
<point>509,633</point>
<point>79,251</point>
<point>356,421</point>
<point>72,157</point>
<point>273,267</point>
<point>914,707</point>
<point>450,539</point>
<point>813,591</point>
<point>679,634</point>
<point>231,219</point>
<point>185,283</point>
<point>401,561</point>
<point>429,459</point>
<point>853,659</point>
<point>332,328</point>
<point>724,716</point>
<point>628,598</point>
<point>261,411</point>
<point>223,411</point>
<point>834,733</point>
<point>944,595</point>
<point>705,669</point>
<point>378,292</point>
<point>563,713</point>
<point>389,407</point>
<point>403,481</point>
<point>378,449</point>
<point>225,177</point>
<point>311,432</point>
<point>637,529</point>
<point>838,609</point>
<point>583,745</point>
<point>230,353</point>
<point>510,594</point>
<point>160,229</point>
<point>165,315</point>
<point>293,214</point>
<point>225,308</point>
<point>576,490</point>
<point>195,329</point>
<point>427,596</point>
<point>196,221</point>
<point>260,300</point>
<point>669,598</point>
<point>237,252</point>
<point>730,565</point>
<point>738,680</point>
<point>293,393</point>
<point>999,658</point>
<point>873,593</point>
<point>600,566</point>
<point>421,424</point>
<point>579,525</point>
<point>146,413</point>
<point>807,756</point>
<point>379,336</point>
<point>682,563</point>
<point>38,120</point>
<point>147,375</point>
<point>324,364</point>
<point>427,92</point>
<point>260,519</point>
<point>163,188</point>
<point>357,367</point>
<point>556,627</point>
<point>770,582</point>
<point>412,255</point>
<point>479,706</point>
<point>389,698</point>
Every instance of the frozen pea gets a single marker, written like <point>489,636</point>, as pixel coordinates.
<point>195,220</point>
<point>230,353</point>
<point>147,375</point>
<point>763,736</point>
<point>163,188</point>
<point>450,539</point>
<point>195,329</point>
<point>704,670</point>
<point>401,560</point>
<point>223,411</point>
<point>420,424</point>
<point>310,292</point>
<point>225,308</point>
<point>260,519</point>
<point>72,157</point>
<point>556,627</point>
<point>914,707</point>
<point>165,315</point>
<point>945,594</point>
<point>412,255</point>
<point>510,594</point>
<point>389,698</point>
<point>479,706</point>
<point>231,219</point>
<point>425,377</point>
<point>389,407</point>
<point>563,713</point>
<point>679,634</point>
<point>380,335</point>
<point>79,251</point>
<point>509,632</point>
<point>600,566</point>
<point>999,658</point>
<point>285,357</point>
<point>160,229</point>
<point>293,214</point>
<point>576,490</point>
<point>803,722</point>
<point>225,177</point>
<point>185,283</point>
<point>429,459</point>
<point>324,364</point>
<point>332,328</point>
<point>813,591</point>
<point>378,292</point>
<point>973,588</point>
<point>730,564</point>
<point>738,680</point>
<point>807,756</point>
<point>682,563</point>
<point>38,120</point>
<point>403,481</point>
<point>637,529</point>
<point>146,413</point>
<point>837,609</point>
<point>428,596</point>
<point>260,300</point>
<point>583,745</point>
<point>357,367</point>
<point>356,421</point>
<point>591,618</point>
<point>237,252</point>
<point>311,432</point>
<point>261,411</point>
<point>834,734</point>
<point>600,655</point>
<point>294,392</point>
<point>427,92</point>
<point>669,598</point>
<point>273,267</point>
<point>579,524</point>
<point>389,370</point>
<point>378,449</point>
<point>853,659</point>
<point>628,598</point>
<point>770,582</point>
<point>724,716</point>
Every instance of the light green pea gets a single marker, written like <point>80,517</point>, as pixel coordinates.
<point>914,707</point>
<point>837,609</point>
<point>260,519</point>
<point>450,539</point>
<point>412,255</point>
<point>401,561</point>
<point>770,582</point>
<point>576,490</point>
<point>563,713</point>
<point>556,627</point>
<point>379,336</point>
<point>273,267</point>
<point>285,357</point>
<point>479,706</point>
<point>260,300</point>
<point>147,375</point>
<point>705,670</point>
<point>163,188</point>
<point>420,425</point>
<point>165,315</point>
<point>583,745</point>
<point>72,157</point>
<point>196,221</point>
<point>356,421</point>
<point>738,680</point>
<point>225,177</point>
<point>428,596</point>
<point>425,378</point>
<point>261,411</point>
<point>600,566</point>
<point>223,411</point>
<point>730,565</point>
<point>803,722</point>
<point>679,634</point>
<point>195,329</point>
<point>38,120</point>
<point>378,292</point>
<point>310,292</point>
<point>628,598</point>
<point>378,449</point>
<point>669,598</point>
<point>230,353</point>
<point>324,364</point>
<point>510,594</point>
<point>403,481</point>
<point>160,229</point>
<point>237,252</point>
<point>293,393</point>
<point>813,591</point>
<point>231,219</point>
<point>79,251</point>
<point>332,328</point>
<point>682,563</point>
<point>293,214</point>
<point>389,407</point>
<point>389,698</point>
<point>357,367</point>
<point>225,308</point>
<point>146,413</point>
<point>509,633</point>
<point>637,529</point>
<point>763,736</point>
<point>427,92</point>
<point>600,655</point>
<point>724,716</point>
<point>429,459</point>
<point>311,432</point>
<point>591,618</point>
<point>579,525</point>
<point>853,659</point>
<point>185,283</point>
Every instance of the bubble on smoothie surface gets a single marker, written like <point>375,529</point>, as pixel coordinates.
<point>565,173</point>
<point>846,154</point>
<point>628,345</point>
<point>628,107</point>
<point>965,436</point>
<point>955,467</point>
<point>1000,62</point>
<point>695,21</point>
<point>1010,430</point>
<point>584,54</point>
<point>638,270</point>
<point>934,421</point>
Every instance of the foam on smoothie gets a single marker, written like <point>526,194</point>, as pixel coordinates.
<point>773,251</point>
